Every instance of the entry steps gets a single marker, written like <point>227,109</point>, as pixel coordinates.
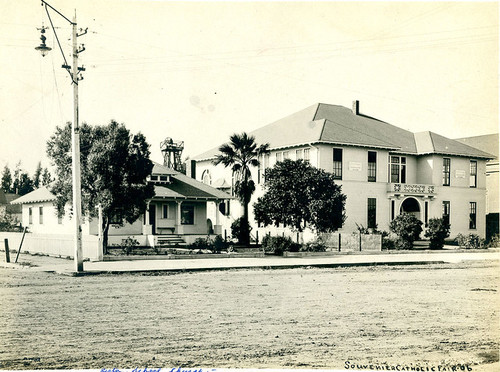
<point>169,241</point>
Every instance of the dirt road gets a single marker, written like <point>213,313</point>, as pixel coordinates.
<point>431,315</point>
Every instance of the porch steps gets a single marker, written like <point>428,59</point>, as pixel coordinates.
<point>169,241</point>
<point>421,244</point>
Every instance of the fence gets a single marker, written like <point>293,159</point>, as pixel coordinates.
<point>51,244</point>
<point>354,242</point>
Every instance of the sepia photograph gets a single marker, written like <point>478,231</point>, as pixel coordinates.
<point>203,186</point>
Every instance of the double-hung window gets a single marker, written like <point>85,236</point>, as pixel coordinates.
<point>446,171</point>
<point>40,215</point>
<point>398,169</point>
<point>372,166</point>
<point>472,215</point>
<point>306,155</point>
<point>473,173</point>
<point>372,213</point>
<point>446,211</point>
<point>337,164</point>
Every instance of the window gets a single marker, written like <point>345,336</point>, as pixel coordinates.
<point>473,174</point>
<point>164,214</point>
<point>398,169</point>
<point>59,219</point>
<point>187,214</point>
<point>163,178</point>
<point>393,209</point>
<point>472,215</point>
<point>263,165</point>
<point>30,212</point>
<point>372,166</point>
<point>206,178</point>
<point>286,155</point>
<point>446,171</point>
<point>372,213</point>
<point>446,211</point>
<point>40,215</point>
<point>299,154</point>
<point>306,155</point>
<point>426,213</point>
<point>337,164</point>
<point>225,207</point>
<point>154,178</point>
<point>279,156</point>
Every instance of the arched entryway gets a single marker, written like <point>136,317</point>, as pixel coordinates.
<point>412,206</point>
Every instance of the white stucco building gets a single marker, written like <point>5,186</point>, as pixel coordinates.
<point>383,169</point>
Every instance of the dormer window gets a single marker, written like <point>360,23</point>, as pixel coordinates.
<point>159,178</point>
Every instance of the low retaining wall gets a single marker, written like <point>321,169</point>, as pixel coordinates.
<point>353,242</point>
<point>58,245</point>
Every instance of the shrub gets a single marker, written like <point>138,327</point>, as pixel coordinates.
<point>278,244</point>
<point>201,243</point>
<point>128,244</point>
<point>219,244</point>
<point>470,241</point>
<point>240,229</point>
<point>317,245</point>
<point>438,230</point>
<point>408,228</point>
<point>494,241</point>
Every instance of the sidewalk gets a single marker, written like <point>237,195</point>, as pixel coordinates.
<point>66,267</point>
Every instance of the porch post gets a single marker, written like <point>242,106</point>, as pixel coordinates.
<point>178,225</point>
<point>217,227</point>
<point>147,228</point>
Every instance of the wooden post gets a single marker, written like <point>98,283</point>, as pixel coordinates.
<point>7,253</point>
<point>340,241</point>
<point>360,242</point>
<point>20,245</point>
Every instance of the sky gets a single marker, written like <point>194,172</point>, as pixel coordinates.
<point>200,71</point>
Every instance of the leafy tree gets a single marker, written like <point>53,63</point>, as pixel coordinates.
<point>298,194</point>
<point>6,180</point>
<point>16,181</point>
<point>114,167</point>
<point>408,228</point>
<point>438,230</point>
<point>46,177</point>
<point>25,184</point>
<point>37,176</point>
<point>241,153</point>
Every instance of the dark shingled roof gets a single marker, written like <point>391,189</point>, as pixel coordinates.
<point>324,123</point>
<point>184,187</point>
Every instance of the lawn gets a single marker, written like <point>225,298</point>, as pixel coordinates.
<point>429,315</point>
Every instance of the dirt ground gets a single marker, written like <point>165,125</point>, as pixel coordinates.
<point>429,315</point>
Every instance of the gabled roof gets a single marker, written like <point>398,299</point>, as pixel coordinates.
<point>184,187</point>
<point>181,187</point>
<point>333,124</point>
<point>432,143</point>
<point>36,196</point>
<point>487,143</point>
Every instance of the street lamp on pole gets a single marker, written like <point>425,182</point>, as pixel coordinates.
<point>74,72</point>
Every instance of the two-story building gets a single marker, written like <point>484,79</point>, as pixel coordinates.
<point>384,170</point>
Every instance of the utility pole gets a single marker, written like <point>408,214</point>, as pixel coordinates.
<point>75,129</point>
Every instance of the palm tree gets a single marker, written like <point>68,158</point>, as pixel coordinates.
<point>240,154</point>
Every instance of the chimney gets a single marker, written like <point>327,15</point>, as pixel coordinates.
<point>355,107</point>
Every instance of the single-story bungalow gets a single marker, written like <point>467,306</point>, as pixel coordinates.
<point>177,212</point>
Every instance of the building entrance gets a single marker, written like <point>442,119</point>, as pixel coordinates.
<point>411,206</point>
